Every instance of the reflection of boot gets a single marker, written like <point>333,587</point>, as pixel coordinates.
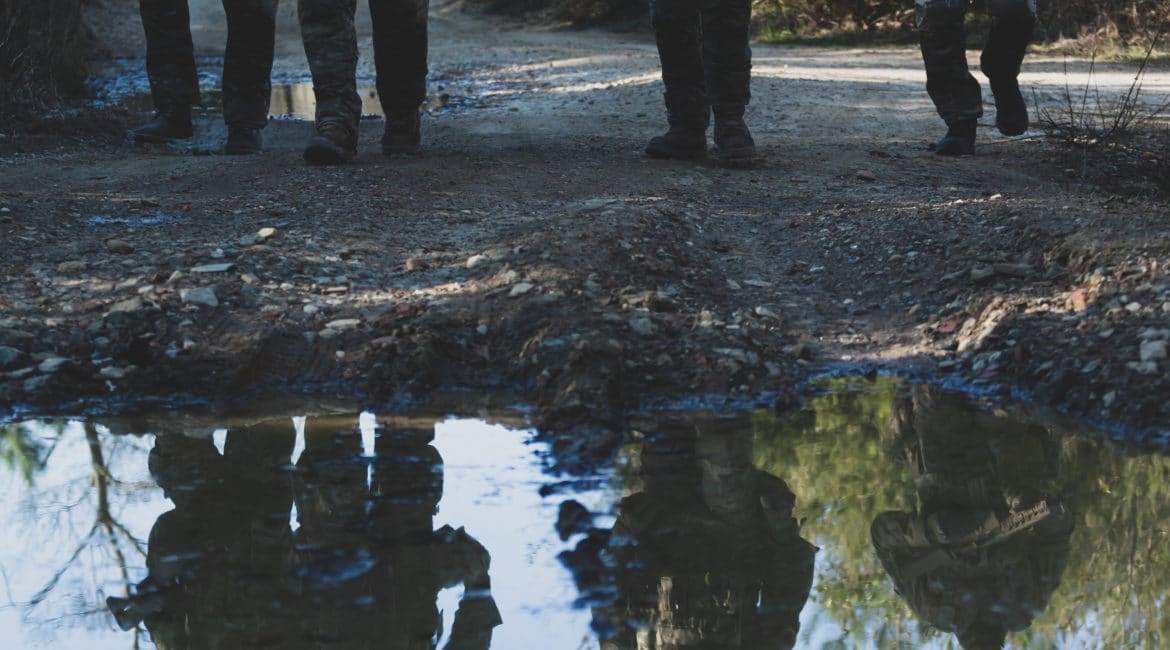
<point>169,124</point>
<point>129,612</point>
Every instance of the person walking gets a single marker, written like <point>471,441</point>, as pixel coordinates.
<point>400,59</point>
<point>174,82</point>
<point>706,68</point>
<point>955,92</point>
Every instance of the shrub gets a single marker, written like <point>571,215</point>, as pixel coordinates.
<point>40,54</point>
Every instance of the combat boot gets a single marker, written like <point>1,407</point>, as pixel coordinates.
<point>402,134</point>
<point>1011,112</point>
<point>678,143</point>
<point>169,124</point>
<point>243,141</point>
<point>733,140</point>
<point>333,145</point>
<point>959,140</point>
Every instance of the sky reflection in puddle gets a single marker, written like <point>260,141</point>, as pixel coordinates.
<point>346,529</point>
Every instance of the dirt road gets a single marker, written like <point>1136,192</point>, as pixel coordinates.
<point>532,245</point>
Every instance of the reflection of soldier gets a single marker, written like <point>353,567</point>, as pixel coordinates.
<point>706,67</point>
<point>215,561</point>
<point>400,59</point>
<point>955,92</point>
<point>988,544</point>
<point>708,554</point>
<point>370,564</point>
<point>174,84</point>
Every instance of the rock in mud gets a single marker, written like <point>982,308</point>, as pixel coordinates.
<point>119,247</point>
<point>1152,351</point>
<point>10,357</point>
<point>203,297</point>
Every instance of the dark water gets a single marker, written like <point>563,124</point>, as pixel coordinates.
<point>883,515</point>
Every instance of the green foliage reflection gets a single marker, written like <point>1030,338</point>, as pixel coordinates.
<point>831,454</point>
<point>21,451</point>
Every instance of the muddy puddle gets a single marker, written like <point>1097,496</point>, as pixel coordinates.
<point>881,515</point>
<point>123,83</point>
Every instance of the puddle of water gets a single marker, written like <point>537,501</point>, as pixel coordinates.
<point>124,83</point>
<point>881,515</point>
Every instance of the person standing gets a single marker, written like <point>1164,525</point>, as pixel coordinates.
<point>706,68</point>
<point>955,92</point>
<point>174,82</point>
<point>400,58</point>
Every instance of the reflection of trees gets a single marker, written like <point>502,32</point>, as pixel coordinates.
<point>1113,590</point>
<point>86,502</point>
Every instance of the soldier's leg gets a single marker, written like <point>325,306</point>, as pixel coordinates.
<point>327,27</point>
<point>953,89</point>
<point>727,63</point>
<point>1012,23</point>
<point>678,31</point>
<point>247,71</point>
<point>170,66</point>
<point>400,56</point>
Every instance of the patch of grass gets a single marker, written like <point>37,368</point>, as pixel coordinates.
<point>840,38</point>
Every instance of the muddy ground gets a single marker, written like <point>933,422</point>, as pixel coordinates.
<point>533,246</point>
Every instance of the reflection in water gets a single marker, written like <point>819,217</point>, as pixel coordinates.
<point>364,566</point>
<point>989,540</point>
<point>706,554</point>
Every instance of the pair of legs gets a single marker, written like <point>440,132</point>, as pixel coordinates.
<point>174,82</point>
<point>400,58</point>
<point>706,68</point>
<point>955,92</point>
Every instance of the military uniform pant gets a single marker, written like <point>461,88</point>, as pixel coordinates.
<point>706,59</point>
<point>400,56</point>
<point>247,67</point>
<point>953,89</point>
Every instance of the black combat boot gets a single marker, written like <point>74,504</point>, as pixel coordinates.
<point>959,140</point>
<point>243,141</point>
<point>734,142</point>
<point>402,134</point>
<point>679,143</point>
<point>169,124</point>
<point>1011,112</point>
<point>333,145</point>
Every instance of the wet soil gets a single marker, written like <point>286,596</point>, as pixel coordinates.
<point>532,245</point>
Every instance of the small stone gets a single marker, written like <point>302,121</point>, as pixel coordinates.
<point>202,296</point>
<point>311,309</point>
<point>119,247</point>
<point>979,275</point>
<point>477,260</point>
<point>482,330</point>
<point>111,372</point>
<point>757,283</point>
<point>1109,398</point>
<point>248,278</point>
<point>214,268</point>
<point>1014,270</point>
<point>249,240</point>
<point>126,306</point>
<point>343,324</point>
<point>1143,367</point>
<point>52,365</point>
<point>72,266</point>
<point>866,176</point>
<point>521,289</point>
<point>642,325</point>
<point>1152,351</point>
<point>415,264</point>
<point>1133,307</point>
<point>266,233</point>
<point>10,357</point>
<point>766,313</point>
<point>915,310</point>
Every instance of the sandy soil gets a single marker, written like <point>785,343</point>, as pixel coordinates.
<point>533,246</point>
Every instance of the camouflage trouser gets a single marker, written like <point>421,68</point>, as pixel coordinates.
<point>247,66</point>
<point>400,56</point>
<point>955,92</point>
<point>706,59</point>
